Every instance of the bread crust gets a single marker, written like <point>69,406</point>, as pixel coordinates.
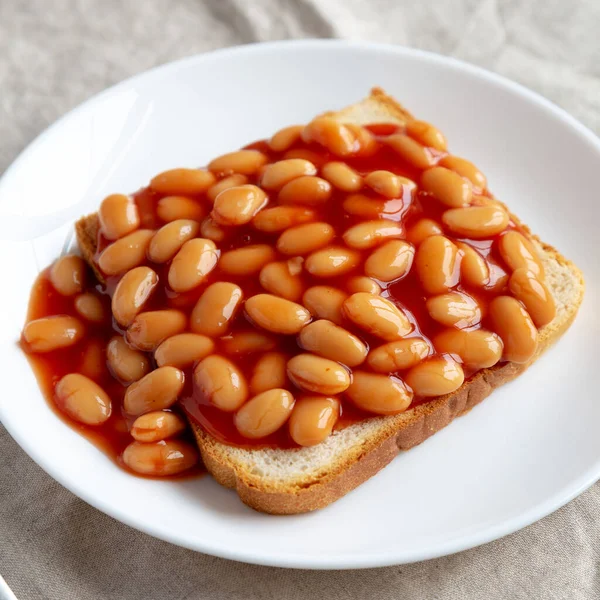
<point>392,434</point>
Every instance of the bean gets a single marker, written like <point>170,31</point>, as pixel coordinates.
<point>285,138</point>
<point>276,314</point>
<point>177,208</point>
<point>118,215</point>
<point>518,252</point>
<point>131,294</point>
<point>317,374</point>
<point>247,342</point>
<point>447,186</point>
<point>435,376</point>
<point>372,233</point>
<point>247,260</point>
<point>465,169</point>
<point>160,459</point>
<point>533,293</point>
<point>399,355</point>
<point>371,209</point>
<point>303,239</point>
<point>269,372</point>
<point>474,270</point>
<point>377,316</point>
<point>83,400</point>
<point>238,205</point>
<point>327,339</point>
<point>52,333</point>
<point>221,383</point>
<point>478,349</point>
<point>389,184</point>
<point>211,230</point>
<point>360,283</point>
<point>476,222</point>
<point>332,261</point>
<point>338,138</point>
<point>454,309</point>
<point>264,414</point>
<point>282,279</point>
<point>313,419</point>
<point>514,325</point>
<point>191,265</point>
<point>67,275</point>
<point>410,150</point>
<point>277,174</point>
<point>278,218</point>
<point>423,229</point>
<point>341,176</point>
<point>157,390</point>
<point>126,253</point>
<point>125,363</point>
<point>183,350</point>
<point>182,182</point>
<point>90,307</point>
<point>226,183</point>
<point>168,240</point>
<point>325,302</point>
<point>149,329</point>
<point>157,425</point>
<point>216,309</point>
<point>246,162</point>
<point>307,190</point>
<point>426,134</point>
<point>379,394</point>
<point>391,261</point>
<point>437,264</point>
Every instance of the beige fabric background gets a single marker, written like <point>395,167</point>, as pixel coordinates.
<point>56,53</point>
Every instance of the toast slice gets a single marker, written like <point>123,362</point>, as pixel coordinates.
<point>304,479</point>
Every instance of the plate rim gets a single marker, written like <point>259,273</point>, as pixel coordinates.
<point>301,561</point>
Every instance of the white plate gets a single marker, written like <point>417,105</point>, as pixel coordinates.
<point>527,450</point>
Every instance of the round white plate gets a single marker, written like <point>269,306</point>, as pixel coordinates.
<point>528,449</point>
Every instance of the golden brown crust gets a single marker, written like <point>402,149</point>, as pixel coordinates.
<point>400,432</point>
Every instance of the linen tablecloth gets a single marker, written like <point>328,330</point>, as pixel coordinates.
<point>55,54</point>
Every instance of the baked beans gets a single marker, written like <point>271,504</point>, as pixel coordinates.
<point>435,376</point>
<point>426,134</point>
<point>247,260</point>
<point>175,208</point>
<point>423,229</point>
<point>247,342</point>
<point>149,329</point>
<point>371,208</point>
<point>278,218</point>
<point>308,190</point>
<point>132,292</point>
<point>313,419</point>
<point>391,261</point>
<point>125,363</point>
<point>303,239</point>
<point>234,180</point>
<point>211,230</point>
<point>157,390</point>
<point>332,261</point>
<point>477,349</point>
<point>340,139</point>
<point>269,372</point>
<point>447,186</point>
<point>371,233</point>
<point>514,325</point>
<point>410,150</point>
<point>379,394</point>
<point>83,399</point>
<point>465,169</point>
<point>276,175</point>
<point>168,240</point>
<point>454,309</point>
<point>376,316</point>
<point>519,253</point>
<point>388,184</point>
<point>67,275</point>
<point>52,333</point>
<point>160,459</point>
<point>474,270</point>
<point>282,279</point>
<point>90,307</point>
<point>221,383</point>
<point>533,293</point>
<point>126,253</point>
<point>276,314</point>
<point>183,350</point>
<point>476,222</point>
<point>341,176</point>
<point>157,425</point>
<point>118,216</point>
<point>327,339</point>
<point>325,302</point>
<point>285,138</point>
<point>246,162</point>
<point>317,374</point>
<point>93,360</point>
<point>361,283</point>
<point>238,205</point>
<point>399,355</point>
<point>182,182</point>
<point>194,261</point>
<point>437,264</point>
<point>216,308</point>
<point>264,414</point>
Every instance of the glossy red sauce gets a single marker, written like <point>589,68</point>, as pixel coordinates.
<point>113,436</point>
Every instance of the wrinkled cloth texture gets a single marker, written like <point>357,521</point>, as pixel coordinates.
<point>53,55</point>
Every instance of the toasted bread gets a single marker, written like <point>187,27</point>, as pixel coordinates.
<point>299,480</point>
